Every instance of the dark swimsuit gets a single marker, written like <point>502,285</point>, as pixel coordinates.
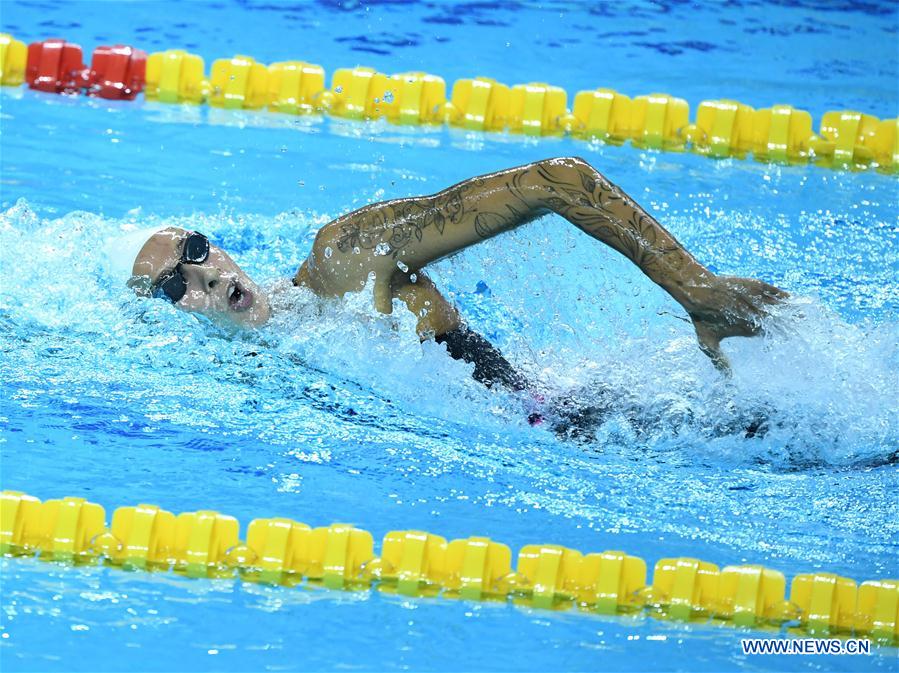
<point>490,367</point>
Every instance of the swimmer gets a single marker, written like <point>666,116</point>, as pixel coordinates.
<point>392,243</point>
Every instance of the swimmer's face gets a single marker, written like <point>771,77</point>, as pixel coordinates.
<point>215,287</point>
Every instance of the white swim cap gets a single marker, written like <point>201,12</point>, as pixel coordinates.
<point>119,252</point>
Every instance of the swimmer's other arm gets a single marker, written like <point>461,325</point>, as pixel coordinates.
<point>394,240</point>
<point>438,319</point>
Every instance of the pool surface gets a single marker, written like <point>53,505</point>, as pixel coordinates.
<point>335,413</point>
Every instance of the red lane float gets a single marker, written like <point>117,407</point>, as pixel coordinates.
<point>55,66</point>
<point>117,72</point>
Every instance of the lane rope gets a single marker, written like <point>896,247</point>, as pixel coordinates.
<point>281,551</point>
<point>846,139</point>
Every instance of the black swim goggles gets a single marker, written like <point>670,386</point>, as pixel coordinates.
<point>172,285</point>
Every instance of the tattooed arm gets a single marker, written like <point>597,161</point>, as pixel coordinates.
<point>391,240</point>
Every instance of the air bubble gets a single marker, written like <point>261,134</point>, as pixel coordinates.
<point>402,267</point>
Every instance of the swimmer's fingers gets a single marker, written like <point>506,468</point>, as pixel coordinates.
<point>757,291</point>
<point>769,294</point>
<point>742,316</point>
<point>770,309</point>
<point>751,306</point>
<point>733,307</point>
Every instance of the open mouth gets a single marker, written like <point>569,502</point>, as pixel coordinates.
<point>239,297</point>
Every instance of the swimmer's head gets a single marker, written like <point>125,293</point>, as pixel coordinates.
<point>187,270</point>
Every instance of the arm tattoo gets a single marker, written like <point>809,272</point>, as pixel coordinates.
<point>483,207</point>
<point>398,222</point>
<point>585,198</point>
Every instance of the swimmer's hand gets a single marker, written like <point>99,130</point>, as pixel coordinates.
<point>726,306</point>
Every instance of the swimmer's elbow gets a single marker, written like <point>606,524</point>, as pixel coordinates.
<point>325,238</point>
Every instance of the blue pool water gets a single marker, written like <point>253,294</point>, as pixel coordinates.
<point>343,416</point>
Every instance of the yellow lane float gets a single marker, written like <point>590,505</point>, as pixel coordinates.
<point>282,551</point>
